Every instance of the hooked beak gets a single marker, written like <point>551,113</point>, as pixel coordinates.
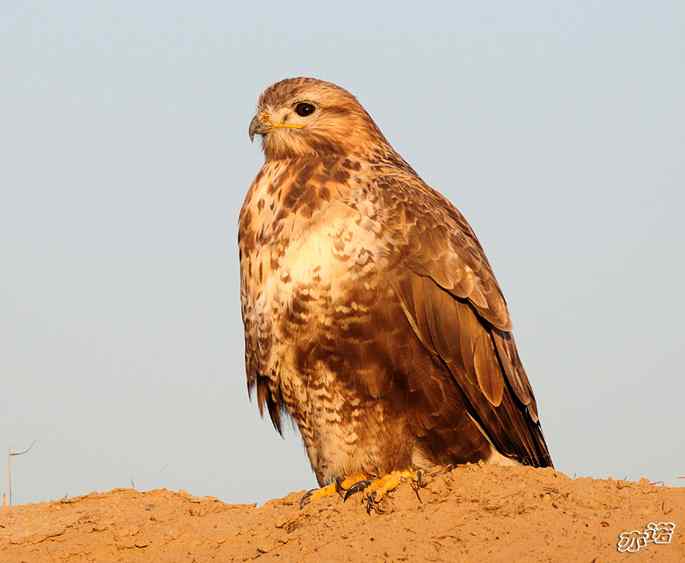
<point>259,126</point>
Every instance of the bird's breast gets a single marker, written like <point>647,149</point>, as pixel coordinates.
<point>286,247</point>
<point>309,275</point>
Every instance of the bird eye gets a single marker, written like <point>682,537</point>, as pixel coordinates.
<point>303,109</point>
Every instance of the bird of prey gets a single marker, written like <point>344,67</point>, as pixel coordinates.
<point>372,316</point>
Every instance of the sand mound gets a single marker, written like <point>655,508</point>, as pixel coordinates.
<point>473,513</point>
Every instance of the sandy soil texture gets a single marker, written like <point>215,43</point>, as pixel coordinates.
<point>472,513</point>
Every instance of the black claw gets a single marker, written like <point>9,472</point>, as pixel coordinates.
<point>416,488</point>
<point>304,501</point>
<point>418,484</point>
<point>356,488</point>
<point>373,505</point>
<point>370,501</point>
<point>339,488</point>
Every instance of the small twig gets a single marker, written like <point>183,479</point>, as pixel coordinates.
<point>27,450</point>
<point>10,455</point>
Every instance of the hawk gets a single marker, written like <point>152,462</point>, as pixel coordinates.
<point>372,316</point>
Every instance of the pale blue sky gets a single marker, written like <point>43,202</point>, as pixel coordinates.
<point>557,128</point>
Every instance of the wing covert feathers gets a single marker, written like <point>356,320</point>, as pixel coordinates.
<point>484,364</point>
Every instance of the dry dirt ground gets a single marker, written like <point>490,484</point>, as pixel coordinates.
<point>472,513</point>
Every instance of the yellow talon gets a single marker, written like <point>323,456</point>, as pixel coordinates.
<point>374,489</point>
<point>380,487</point>
<point>337,487</point>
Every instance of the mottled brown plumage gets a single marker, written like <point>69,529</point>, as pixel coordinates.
<point>372,316</point>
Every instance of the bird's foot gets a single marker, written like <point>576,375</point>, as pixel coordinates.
<point>374,490</point>
<point>339,487</point>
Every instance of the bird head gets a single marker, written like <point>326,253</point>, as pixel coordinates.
<point>305,116</point>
